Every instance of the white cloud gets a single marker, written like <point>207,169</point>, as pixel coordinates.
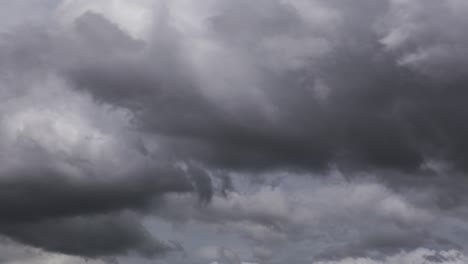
<point>419,256</point>
<point>12,253</point>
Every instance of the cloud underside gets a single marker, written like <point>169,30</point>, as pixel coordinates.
<point>327,125</point>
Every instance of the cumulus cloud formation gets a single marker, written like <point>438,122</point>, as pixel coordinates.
<point>222,131</point>
<point>332,218</point>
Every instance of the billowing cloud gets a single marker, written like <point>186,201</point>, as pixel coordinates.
<point>289,94</point>
<point>297,131</point>
<point>327,213</point>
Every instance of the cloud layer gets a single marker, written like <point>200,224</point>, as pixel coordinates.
<point>302,131</point>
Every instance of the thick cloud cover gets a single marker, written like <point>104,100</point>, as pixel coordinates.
<point>309,130</point>
<point>264,87</point>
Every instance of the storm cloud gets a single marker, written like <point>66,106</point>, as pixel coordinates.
<point>287,93</point>
<point>297,131</point>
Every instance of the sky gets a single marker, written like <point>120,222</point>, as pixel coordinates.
<point>233,132</point>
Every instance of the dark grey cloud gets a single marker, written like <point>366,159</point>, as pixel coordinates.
<point>29,196</point>
<point>65,179</point>
<point>377,113</point>
<point>92,237</point>
<point>97,121</point>
<point>83,215</point>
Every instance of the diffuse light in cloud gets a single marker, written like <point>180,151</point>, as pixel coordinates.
<point>222,131</point>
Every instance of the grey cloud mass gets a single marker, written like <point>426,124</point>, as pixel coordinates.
<point>286,131</point>
<point>352,104</point>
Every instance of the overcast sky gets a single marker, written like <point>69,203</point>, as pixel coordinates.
<point>233,131</point>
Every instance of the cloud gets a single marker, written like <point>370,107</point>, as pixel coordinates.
<point>414,257</point>
<point>70,167</point>
<point>113,111</point>
<point>327,219</point>
<point>94,236</point>
<point>256,113</point>
<point>13,253</point>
